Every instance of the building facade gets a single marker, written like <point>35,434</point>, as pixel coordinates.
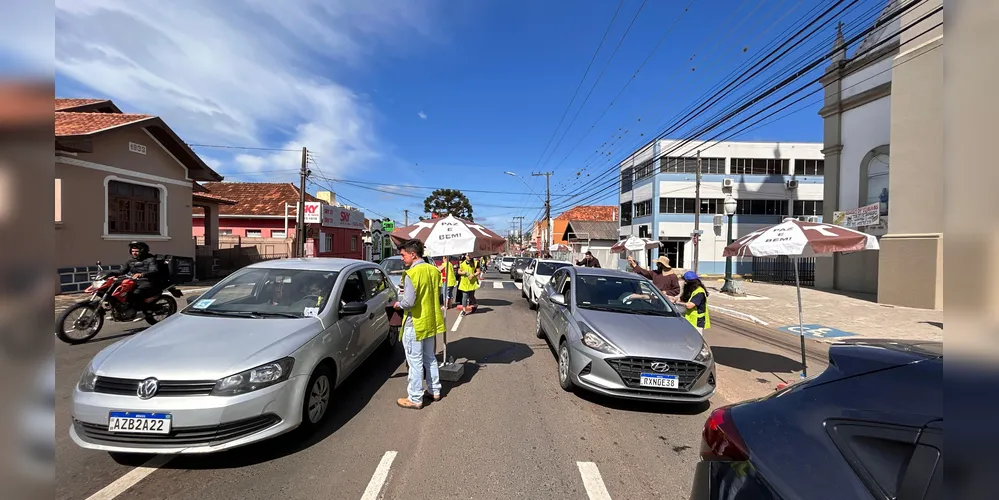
<point>769,180</point>
<point>883,133</point>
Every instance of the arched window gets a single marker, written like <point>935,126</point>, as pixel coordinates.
<point>877,181</point>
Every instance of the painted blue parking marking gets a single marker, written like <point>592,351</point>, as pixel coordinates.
<point>817,331</point>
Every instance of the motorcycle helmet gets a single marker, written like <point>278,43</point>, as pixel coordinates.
<point>141,245</point>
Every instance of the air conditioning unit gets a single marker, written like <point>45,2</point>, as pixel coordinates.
<point>792,184</point>
<point>813,218</point>
<point>803,218</point>
<point>718,220</point>
<point>728,183</point>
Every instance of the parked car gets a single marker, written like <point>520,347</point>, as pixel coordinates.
<point>872,423</point>
<point>537,274</point>
<point>504,264</point>
<point>257,355</point>
<point>394,268</point>
<point>518,267</point>
<point>615,334</point>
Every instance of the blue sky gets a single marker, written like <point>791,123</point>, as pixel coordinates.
<point>437,93</point>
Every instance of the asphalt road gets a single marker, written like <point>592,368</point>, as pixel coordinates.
<point>506,431</point>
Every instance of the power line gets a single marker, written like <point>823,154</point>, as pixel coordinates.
<point>351,181</point>
<point>248,148</point>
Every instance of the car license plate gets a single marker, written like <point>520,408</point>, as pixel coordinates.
<point>139,423</point>
<point>660,381</point>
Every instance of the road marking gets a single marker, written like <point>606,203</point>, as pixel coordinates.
<point>457,322</point>
<point>592,481</point>
<point>497,284</point>
<point>374,488</point>
<point>135,475</point>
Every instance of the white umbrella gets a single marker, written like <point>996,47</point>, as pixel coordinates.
<point>452,236</point>
<point>798,239</point>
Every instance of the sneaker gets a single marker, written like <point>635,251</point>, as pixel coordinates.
<point>406,403</point>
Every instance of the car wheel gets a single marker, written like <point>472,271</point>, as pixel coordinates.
<point>523,292</point>
<point>318,394</point>
<point>563,366</point>
<point>391,340</point>
<point>538,329</point>
<point>532,302</point>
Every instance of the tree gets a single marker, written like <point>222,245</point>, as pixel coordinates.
<point>444,202</point>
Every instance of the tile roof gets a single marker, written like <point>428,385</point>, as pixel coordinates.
<point>214,198</point>
<point>595,230</point>
<point>590,212</point>
<point>69,123</point>
<point>64,103</point>
<point>254,198</point>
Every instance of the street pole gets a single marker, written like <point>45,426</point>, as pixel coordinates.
<point>406,220</point>
<point>300,221</point>
<point>697,214</point>
<point>548,209</point>
<point>520,234</point>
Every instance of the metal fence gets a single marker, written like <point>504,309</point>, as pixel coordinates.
<point>780,270</point>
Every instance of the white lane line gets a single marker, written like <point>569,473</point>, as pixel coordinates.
<point>592,481</point>
<point>135,475</point>
<point>374,489</point>
<point>457,322</point>
<point>497,284</point>
<point>518,285</point>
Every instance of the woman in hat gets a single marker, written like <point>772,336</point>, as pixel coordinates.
<point>695,298</point>
<point>664,278</point>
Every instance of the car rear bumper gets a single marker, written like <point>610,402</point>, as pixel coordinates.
<point>724,480</point>
<point>200,424</point>
<point>592,372</point>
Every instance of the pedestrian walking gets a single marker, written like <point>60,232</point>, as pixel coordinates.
<point>695,298</point>
<point>449,280</point>
<point>468,285</point>
<point>664,278</point>
<point>588,260</point>
<point>422,321</point>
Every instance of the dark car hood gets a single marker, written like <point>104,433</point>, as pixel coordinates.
<point>645,335</point>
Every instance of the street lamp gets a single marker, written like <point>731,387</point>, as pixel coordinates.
<point>730,287</point>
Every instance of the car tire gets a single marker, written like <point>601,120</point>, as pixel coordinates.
<point>564,362</point>
<point>391,341</point>
<point>532,302</point>
<point>523,292</point>
<point>319,391</point>
<point>539,330</point>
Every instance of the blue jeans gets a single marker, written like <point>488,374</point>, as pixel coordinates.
<point>422,361</point>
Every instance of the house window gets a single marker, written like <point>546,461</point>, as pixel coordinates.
<point>759,166</point>
<point>353,243</point>
<point>328,240</point>
<point>133,208</point>
<point>877,182</point>
<point>278,233</point>
<point>687,165</point>
<point>807,207</point>
<point>254,233</point>
<point>643,208</point>
<point>644,170</point>
<point>810,167</point>
<point>761,207</point>
<point>225,232</point>
<point>689,205</point>
<point>626,176</point>
<point>626,214</point>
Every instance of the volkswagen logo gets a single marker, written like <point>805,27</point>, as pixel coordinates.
<point>147,388</point>
<point>660,367</point>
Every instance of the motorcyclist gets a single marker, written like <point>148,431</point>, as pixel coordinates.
<point>144,268</point>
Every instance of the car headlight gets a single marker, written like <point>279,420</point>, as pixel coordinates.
<point>594,341</point>
<point>705,353</point>
<point>255,378</point>
<point>88,379</point>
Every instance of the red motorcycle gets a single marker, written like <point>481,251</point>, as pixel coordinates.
<point>110,294</point>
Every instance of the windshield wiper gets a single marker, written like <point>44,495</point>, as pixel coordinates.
<point>607,308</point>
<point>275,315</point>
<point>206,312</point>
<point>652,313</point>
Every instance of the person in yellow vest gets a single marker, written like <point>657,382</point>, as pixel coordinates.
<point>468,285</point>
<point>695,298</point>
<point>449,280</point>
<point>422,321</point>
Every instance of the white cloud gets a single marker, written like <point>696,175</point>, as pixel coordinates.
<point>253,73</point>
<point>422,115</point>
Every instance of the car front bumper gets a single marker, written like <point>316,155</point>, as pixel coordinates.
<point>200,424</point>
<point>593,372</point>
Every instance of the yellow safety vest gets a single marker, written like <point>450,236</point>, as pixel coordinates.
<point>428,318</point>
<point>692,315</point>
<point>470,282</point>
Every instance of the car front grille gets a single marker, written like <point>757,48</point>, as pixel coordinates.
<point>179,436</point>
<point>631,369</point>
<point>129,387</point>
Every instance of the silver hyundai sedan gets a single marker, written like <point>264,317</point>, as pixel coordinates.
<point>615,334</point>
<point>257,355</point>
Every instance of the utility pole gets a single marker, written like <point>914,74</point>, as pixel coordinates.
<point>548,209</point>
<point>520,234</point>
<point>697,213</point>
<point>406,222</point>
<point>300,221</point>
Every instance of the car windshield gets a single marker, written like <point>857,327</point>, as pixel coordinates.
<point>521,262</point>
<point>267,293</point>
<point>549,268</point>
<point>508,259</point>
<point>393,266</point>
<point>620,294</point>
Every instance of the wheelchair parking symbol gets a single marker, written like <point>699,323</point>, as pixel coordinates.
<point>816,331</point>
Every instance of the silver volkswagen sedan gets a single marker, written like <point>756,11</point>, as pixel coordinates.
<point>614,333</point>
<point>257,355</point>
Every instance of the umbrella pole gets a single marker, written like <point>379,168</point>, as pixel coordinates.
<point>801,329</point>
<point>444,308</point>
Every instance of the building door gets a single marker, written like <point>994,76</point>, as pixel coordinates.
<point>672,248</point>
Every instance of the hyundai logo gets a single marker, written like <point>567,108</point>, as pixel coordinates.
<point>660,367</point>
<point>147,388</point>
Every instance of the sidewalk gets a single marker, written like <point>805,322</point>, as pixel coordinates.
<point>826,315</point>
<point>63,301</point>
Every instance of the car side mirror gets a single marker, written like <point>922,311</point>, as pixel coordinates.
<point>558,298</point>
<point>193,299</point>
<point>353,309</point>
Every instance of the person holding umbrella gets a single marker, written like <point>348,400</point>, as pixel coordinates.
<point>422,321</point>
<point>695,298</point>
<point>468,285</point>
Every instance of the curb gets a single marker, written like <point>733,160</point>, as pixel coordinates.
<point>814,349</point>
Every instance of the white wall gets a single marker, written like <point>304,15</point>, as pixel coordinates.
<point>643,193</point>
<point>867,78</point>
<point>713,241</point>
<point>745,191</point>
<point>864,128</point>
